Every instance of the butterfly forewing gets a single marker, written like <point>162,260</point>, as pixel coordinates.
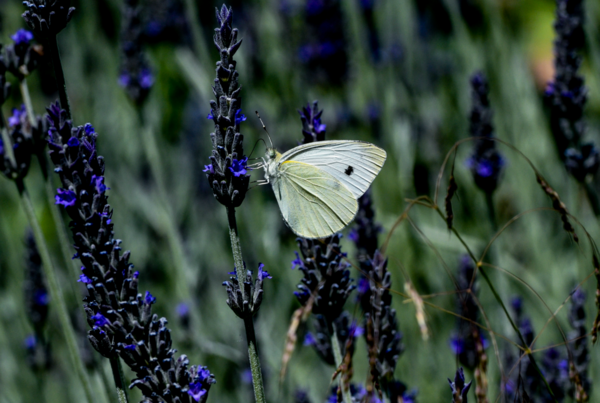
<point>312,201</point>
<point>353,163</point>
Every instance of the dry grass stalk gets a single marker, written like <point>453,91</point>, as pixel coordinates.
<point>559,206</point>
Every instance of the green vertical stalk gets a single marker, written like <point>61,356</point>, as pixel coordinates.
<point>117,370</point>
<point>27,101</point>
<point>55,291</point>
<point>52,47</point>
<point>257,381</point>
<point>337,354</point>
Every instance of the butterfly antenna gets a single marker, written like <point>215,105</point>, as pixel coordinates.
<point>265,129</point>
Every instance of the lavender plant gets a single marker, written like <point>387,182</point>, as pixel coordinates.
<point>36,303</point>
<point>229,177</point>
<point>121,318</point>
<point>135,77</point>
<point>324,50</point>
<point>581,385</point>
<point>459,388</point>
<point>465,342</point>
<point>566,96</point>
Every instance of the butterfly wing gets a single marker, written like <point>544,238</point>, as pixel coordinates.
<point>353,163</point>
<point>312,201</point>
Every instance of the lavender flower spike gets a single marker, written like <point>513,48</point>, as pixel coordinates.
<point>459,389</point>
<point>121,318</point>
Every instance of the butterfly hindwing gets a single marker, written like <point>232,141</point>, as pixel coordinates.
<point>312,201</point>
<point>353,163</point>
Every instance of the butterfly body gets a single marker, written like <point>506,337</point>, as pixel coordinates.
<point>317,185</point>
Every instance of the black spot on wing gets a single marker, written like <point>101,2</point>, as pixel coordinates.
<point>349,170</point>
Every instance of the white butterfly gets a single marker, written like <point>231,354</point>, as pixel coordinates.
<point>317,185</point>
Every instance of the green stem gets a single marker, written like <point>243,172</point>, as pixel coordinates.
<point>117,370</point>
<point>489,201</point>
<point>8,145</point>
<point>55,291</point>
<point>52,47</point>
<point>236,248</point>
<point>257,381</point>
<point>337,354</point>
<point>27,102</point>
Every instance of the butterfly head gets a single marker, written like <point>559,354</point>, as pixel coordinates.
<point>271,153</point>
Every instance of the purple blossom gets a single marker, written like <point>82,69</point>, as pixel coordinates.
<point>65,197</point>
<point>1,147</point>
<point>101,321</point>
<point>149,299</point>
<point>129,347</point>
<point>146,79</point>
<point>89,129</point>
<point>73,142</point>
<point>105,215</point>
<point>457,345</point>
<point>238,167</point>
<point>309,339</point>
<point>319,127</point>
<point>262,274</point>
<point>297,262</point>
<point>22,37</point>
<point>239,117</point>
<point>124,80</point>
<point>30,342</point>
<point>183,309</point>
<point>97,181</point>
<point>84,279</point>
<point>210,116</point>
<point>41,297</point>
<point>209,168</point>
<point>18,113</point>
<point>195,391</point>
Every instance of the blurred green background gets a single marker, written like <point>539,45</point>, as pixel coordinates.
<point>409,94</point>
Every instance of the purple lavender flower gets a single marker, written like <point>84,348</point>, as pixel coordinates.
<point>262,274</point>
<point>47,18</point>
<point>119,316</point>
<point>100,320</point>
<point>97,181</point>
<point>209,168</point>
<point>66,198</point>
<point>486,162</point>
<point>323,52</point>
<point>566,95</point>
<point>254,292</point>
<point>459,388</point>
<point>229,178</point>
<point>136,76</point>
<point>22,37</point>
<point>73,142</point>
<point>238,167</point>
<point>239,117</point>
<point>149,299</point>
<point>17,116</point>
<point>84,279</point>
<point>312,127</point>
